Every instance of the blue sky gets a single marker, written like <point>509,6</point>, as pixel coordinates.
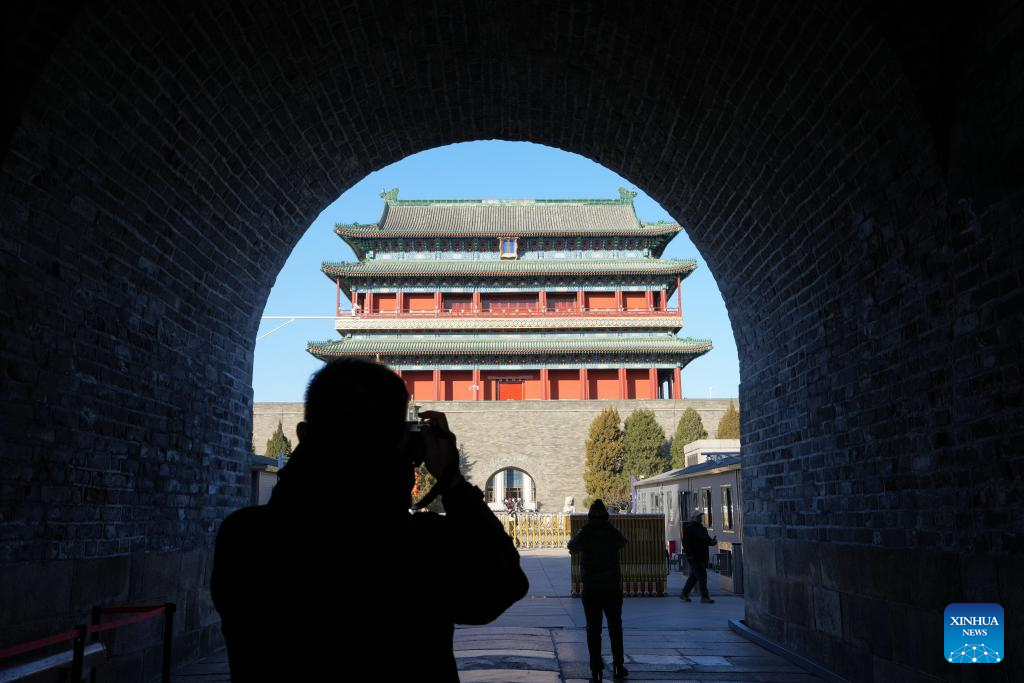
<point>472,170</point>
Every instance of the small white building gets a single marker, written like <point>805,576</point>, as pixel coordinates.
<point>709,484</point>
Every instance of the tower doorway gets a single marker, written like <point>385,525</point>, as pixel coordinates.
<point>510,390</point>
<point>508,485</point>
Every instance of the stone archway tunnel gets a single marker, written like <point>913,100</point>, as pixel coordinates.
<point>850,171</point>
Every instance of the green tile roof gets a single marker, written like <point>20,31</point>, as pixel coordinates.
<point>507,267</point>
<point>506,217</point>
<point>490,345</point>
<point>521,228</point>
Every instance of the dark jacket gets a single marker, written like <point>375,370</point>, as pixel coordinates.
<point>309,590</point>
<point>696,541</point>
<point>599,544</point>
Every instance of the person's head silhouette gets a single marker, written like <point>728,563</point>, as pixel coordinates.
<point>351,441</point>
<point>598,510</point>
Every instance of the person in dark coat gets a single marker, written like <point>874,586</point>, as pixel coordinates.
<point>599,543</point>
<point>318,583</point>
<point>695,544</point>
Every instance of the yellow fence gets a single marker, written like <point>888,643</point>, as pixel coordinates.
<point>532,530</point>
<point>643,561</point>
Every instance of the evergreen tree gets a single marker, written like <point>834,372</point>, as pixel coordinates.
<point>689,429</point>
<point>602,474</point>
<point>464,464</point>
<point>729,426</point>
<point>278,443</point>
<point>641,446</point>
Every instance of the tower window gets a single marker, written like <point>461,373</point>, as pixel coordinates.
<point>508,247</point>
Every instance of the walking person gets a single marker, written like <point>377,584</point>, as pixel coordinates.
<point>599,543</point>
<point>695,544</point>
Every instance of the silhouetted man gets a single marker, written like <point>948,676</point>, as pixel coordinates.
<point>599,543</point>
<point>334,577</point>
<point>695,544</point>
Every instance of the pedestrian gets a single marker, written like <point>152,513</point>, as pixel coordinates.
<point>598,544</point>
<point>695,544</point>
<point>287,576</point>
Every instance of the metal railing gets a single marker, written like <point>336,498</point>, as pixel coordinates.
<point>81,653</point>
<point>505,312</point>
<point>534,530</point>
<point>643,561</point>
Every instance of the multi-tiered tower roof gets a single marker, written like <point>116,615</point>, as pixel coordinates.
<point>515,299</point>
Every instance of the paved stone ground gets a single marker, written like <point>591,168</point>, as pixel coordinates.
<point>542,638</point>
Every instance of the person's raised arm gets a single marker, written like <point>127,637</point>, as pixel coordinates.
<point>488,576</point>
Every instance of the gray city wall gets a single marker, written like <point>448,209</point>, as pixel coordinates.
<point>543,438</point>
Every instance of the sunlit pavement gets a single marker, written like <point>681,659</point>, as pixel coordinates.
<point>542,638</point>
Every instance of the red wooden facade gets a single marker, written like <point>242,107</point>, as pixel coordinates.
<point>543,384</point>
<point>556,300</point>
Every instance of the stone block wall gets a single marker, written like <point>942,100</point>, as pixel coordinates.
<point>850,172</point>
<point>545,439</point>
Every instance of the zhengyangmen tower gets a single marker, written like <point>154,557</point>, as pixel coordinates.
<point>479,300</point>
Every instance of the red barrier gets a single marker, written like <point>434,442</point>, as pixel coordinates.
<point>79,634</point>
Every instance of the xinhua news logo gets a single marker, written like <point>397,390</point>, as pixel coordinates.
<point>974,633</point>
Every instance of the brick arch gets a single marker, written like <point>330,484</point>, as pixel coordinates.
<point>162,164</point>
<point>502,468</point>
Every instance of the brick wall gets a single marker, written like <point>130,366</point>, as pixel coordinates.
<point>851,172</point>
<point>543,438</point>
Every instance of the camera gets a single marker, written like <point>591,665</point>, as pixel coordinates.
<point>415,426</point>
<point>413,421</point>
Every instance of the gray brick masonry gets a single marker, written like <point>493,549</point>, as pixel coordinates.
<point>543,438</point>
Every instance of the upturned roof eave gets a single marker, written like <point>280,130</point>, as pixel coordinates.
<point>372,231</point>
<point>335,348</point>
<point>517,268</point>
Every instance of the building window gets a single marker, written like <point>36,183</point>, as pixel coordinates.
<point>726,492</point>
<point>705,507</point>
<point>514,484</point>
<point>508,247</point>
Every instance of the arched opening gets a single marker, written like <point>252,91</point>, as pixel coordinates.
<point>153,194</point>
<point>516,176</point>
<point>511,489</point>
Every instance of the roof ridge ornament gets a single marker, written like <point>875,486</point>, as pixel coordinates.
<point>626,196</point>
<point>390,195</point>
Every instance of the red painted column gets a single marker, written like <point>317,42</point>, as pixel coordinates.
<point>399,302</point>
<point>337,297</point>
<point>623,385</point>
<point>579,300</point>
<point>369,302</point>
<point>437,385</point>
<point>652,377</point>
<point>545,385</point>
<point>543,300</point>
<point>677,383</point>
<point>679,295</point>
<point>478,394</point>
<point>437,301</point>
<point>649,299</point>
<point>476,302</point>
<point>584,385</point>
<point>663,300</point>
<point>618,299</point>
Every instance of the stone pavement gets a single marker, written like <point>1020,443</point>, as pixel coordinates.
<point>542,638</point>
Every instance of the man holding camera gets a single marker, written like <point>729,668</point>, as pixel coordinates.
<point>333,576</point>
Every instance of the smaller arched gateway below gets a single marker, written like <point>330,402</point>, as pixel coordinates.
<point>511,487</point>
